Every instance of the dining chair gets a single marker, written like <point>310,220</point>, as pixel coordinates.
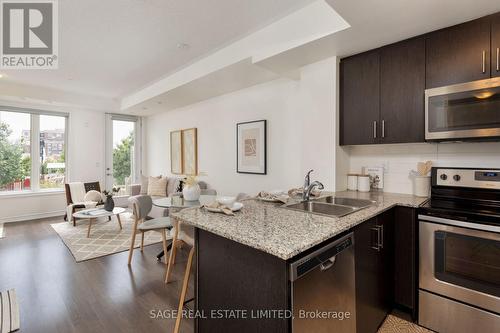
<point>141,206</point>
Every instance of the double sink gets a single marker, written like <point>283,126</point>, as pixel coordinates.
<point>331,206</point>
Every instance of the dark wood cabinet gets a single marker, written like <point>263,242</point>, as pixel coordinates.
<point>402,85</point>
<point>374,271</point>
<point>495,45</point>
<point>458,54</point>
<point>405,259</point>
<point>360,99</point>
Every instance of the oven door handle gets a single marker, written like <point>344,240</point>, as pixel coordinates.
<point>484,227</point>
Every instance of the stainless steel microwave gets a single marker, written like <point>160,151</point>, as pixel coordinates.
<point>463,111</point>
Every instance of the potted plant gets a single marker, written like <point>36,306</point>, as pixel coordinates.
<point>191,189</point>
<point>109,204</point>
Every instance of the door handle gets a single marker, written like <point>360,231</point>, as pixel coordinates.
<point>383,128</point>
<point>109,174</point>
<point>484,61</point>
<point>374,129</point>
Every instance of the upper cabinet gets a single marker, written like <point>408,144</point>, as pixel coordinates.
<point>495,45</point>
<point>359,102</point>
<point>382,92</point>
<point>402,84</point>
<point>382,95</point>
<point>458,54</point>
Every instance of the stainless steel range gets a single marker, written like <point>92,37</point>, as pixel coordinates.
<point>459,252</point>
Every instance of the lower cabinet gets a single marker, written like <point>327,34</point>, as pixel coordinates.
<point>374,252</point>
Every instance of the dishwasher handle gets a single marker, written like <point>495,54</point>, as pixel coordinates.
<point>328,264</point>
<point>324,258</point>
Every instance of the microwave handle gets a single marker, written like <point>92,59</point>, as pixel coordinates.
<point>484,61</point>
<point>498,60</point>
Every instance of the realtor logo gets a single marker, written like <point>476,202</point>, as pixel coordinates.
<point>29,34</point>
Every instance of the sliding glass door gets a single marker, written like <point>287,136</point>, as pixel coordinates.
<point>122,151</point>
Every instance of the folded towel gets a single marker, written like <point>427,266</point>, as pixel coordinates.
<point>222,208</point>
<point>282,197</point>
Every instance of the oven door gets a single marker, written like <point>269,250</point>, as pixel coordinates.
<point>461,261</point>
<point>468,110</point>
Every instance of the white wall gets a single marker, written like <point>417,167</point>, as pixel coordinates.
<point>85,163</point>
<point>301,132</point>
<point>400,159</point>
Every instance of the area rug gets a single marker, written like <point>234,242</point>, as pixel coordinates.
<point>393,324</point>
<point>9,311</point>
<point>105,237</point>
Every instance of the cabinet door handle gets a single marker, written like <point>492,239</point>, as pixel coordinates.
<point>383,128</point>
<point>376,247</point>
<point>374,129</point>
<point>484,61</point>
<point>498,59</point>
<point>381,244</point>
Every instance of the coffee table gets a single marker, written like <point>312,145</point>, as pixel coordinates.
<point>92,214</point>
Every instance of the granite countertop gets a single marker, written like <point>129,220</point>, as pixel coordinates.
<point>286,233</point>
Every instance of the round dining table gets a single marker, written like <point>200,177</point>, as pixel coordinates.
<point>177,203</point>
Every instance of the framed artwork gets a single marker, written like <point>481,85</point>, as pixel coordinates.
<point>190,151</point>
<point>176,152</point>
<point>251,147</point>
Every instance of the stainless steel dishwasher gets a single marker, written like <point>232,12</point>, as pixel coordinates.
<point>323,289</point>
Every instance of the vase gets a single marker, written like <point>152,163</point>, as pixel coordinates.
<point>109,205</point>
<point>191,192</point>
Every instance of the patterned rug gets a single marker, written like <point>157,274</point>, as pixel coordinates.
<point>105,237</point>
<point>393,324</point>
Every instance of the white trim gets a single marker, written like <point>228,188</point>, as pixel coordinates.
<point>27,217</point>
<point>29,193</point>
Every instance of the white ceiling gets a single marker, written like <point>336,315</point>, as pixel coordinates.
<point>114,48</point>
<point>111,48</point>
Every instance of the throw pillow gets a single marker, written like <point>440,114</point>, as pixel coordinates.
<point>157,186</point>
<point>145,184</point>
<point>93,196</point>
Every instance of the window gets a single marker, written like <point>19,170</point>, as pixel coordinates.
<point>28,164</point>
<point>52,151</point>
<point>15,151</point>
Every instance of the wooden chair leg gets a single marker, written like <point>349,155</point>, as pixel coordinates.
<point>184,290</point>
<point>142,242</point>
<point>132,243</point>
<point>171,259</point>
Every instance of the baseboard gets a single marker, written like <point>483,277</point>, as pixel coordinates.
<point>27,217</point>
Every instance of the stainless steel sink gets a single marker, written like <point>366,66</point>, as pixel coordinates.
<point>351,202</point>
<point>331,206</point>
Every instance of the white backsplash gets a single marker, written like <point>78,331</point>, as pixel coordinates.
<point>399,159</point>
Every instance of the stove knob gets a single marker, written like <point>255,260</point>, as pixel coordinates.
<point>456,178</point>
<point>443,176</point>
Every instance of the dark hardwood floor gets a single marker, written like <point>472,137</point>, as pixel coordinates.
<point>56,294</point>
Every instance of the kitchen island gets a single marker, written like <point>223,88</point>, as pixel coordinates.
<point>243,260</point>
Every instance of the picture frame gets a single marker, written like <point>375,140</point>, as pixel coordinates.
<point>190,151</point>
<point>251,147</point>
<point>176,159</point>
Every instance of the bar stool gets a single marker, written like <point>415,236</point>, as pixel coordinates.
<point>184,235</point>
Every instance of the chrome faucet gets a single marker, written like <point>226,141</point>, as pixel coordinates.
<point>308,186</point>
<point>307,180</point>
